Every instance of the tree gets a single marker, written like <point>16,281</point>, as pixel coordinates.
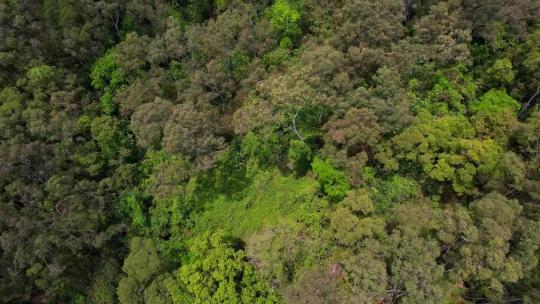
<point>189,132</point>
<point>107,77</point>
<point>142,267</point>
<point>110,137</point>
<point>443,35</point>
<point>528,74</point>
<point>317,285</point>
<point>444,149</point>
<point>367,24</point>
<point>148,122</point>
<point>415,275</point>
<point>495,101</point>
<point>302,98</point>
<point>453,91</point>
<point>495,112</point>
<point>11,121</point>
<point>299,155</point>
<point>285,18</point>
<point>365,271</point>
<point>278,252</point>
<point>218,273</point>
<point>501,72</point>
<point>356,131</point>
<point>492,17</point>
<point>332,181</point>
<point>484,247</point>
<point>349,140</point>
<point>352,220</point>
<point>386,99</point>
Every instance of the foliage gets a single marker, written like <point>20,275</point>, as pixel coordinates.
<point>495,112</point>
<point>332,181</point>
<point>447,96</point>
<point>189,133</point>
<point>269,199</point>
<point>279,251</point>
<point>132,205</point>
<point>103,285</point>
<point>285,19</point>
<point>298,151</point>
<point>501,71</point>
<point>348,227</point>
<point>218,273</point>
<point>110,136</point>
<point>260,151</point>
<point>299,155</point>
<point>237,64</point>
<point>106,76</point>
<point>141,266</point>
<point>42,76</point>
<point>488,260</point>
<point>444,149</point>
<point>394,190</point>
<point>148,121</point>
<point>495,101</point>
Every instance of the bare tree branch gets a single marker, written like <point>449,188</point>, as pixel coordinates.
<point>529,102</point>
<point>298,134</point>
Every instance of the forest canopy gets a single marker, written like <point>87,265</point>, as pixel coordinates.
<point>269,151</point>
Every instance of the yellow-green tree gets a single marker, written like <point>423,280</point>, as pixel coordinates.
<point>216,272</point>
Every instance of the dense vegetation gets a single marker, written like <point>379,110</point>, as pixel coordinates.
<point>258,151</point>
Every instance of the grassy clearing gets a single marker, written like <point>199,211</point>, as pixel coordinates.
<point>270,199</point>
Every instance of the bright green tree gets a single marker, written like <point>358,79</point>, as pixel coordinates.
<point>332,181</point>
<point>216,272</point>
<point>285,19</point>
<point>495,101</point>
